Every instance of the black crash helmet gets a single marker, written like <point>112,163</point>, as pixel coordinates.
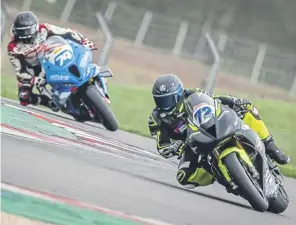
<point>168,93</point>
<point>25,27</point>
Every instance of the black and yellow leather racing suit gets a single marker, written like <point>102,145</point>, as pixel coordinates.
<point>170,133</point>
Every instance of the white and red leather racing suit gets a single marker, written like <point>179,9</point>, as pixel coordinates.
<point>23,58</point>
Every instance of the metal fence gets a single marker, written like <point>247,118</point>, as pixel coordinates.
<point>259,62</point>
<point>3,20</point>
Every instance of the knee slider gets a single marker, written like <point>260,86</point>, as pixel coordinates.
<point>182,177</point>
<point>24,96</point>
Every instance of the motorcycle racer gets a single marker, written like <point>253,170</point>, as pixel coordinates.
<point>167,124</point>
<point>28,35</point>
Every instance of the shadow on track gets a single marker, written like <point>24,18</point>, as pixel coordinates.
<point>183,189</point>
<point>193,192</point>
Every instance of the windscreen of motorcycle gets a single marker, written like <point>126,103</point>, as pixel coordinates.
<point>204,115</point>
<point>202,109</point>
<point>57,51</point>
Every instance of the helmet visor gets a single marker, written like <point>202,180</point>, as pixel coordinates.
<point>166,102</point>
<point>25,32</point>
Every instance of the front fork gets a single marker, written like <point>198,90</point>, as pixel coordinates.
<point>103,85</point>
<point>100,84</point>
<point>75,108</point>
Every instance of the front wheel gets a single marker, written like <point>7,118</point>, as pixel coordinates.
<point>103,110</point>
<point>246,186</point>
<point>280,203</point>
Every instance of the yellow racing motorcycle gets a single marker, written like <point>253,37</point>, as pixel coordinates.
<point>234,154</point>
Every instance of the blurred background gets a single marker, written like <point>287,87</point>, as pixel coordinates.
<point>256,40</point>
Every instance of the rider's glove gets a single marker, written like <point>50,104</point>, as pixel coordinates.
<point>175,148</point>
<point>179,147</point>
<point>241,106</point>
<point>39,81</point>
<point>88,44</point>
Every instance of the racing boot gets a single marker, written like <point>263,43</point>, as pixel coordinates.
<point>53,106</point>
<point>43,100</point>
<point>274,152</point>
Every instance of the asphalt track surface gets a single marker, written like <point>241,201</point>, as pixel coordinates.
<point>145,188</point>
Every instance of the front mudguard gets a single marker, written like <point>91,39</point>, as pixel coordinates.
<point>242,155</point>
<point>251,141</point>
<point>99,74</point>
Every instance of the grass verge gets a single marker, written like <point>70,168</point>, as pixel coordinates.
<point>8,219</point>
<point>132,105</point>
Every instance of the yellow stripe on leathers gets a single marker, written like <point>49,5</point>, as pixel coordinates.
<point>218,110</point>
<point>157,141</point>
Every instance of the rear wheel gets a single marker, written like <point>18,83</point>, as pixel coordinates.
<point>103,110</point>
<point>246,186</point>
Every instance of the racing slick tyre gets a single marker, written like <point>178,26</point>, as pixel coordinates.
<point>280,203</point>
<point>245,183</point>
<point>102,109</point>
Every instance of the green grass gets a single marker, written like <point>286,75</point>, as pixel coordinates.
<point>132,105</point>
